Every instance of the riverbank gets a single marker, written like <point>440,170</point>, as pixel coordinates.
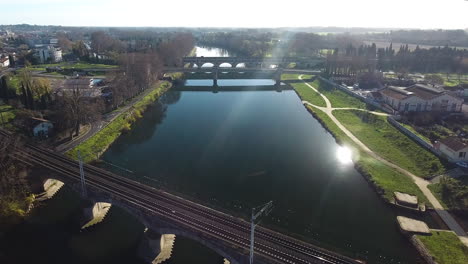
<point>444,247</point>
<point>384,179</point>
<point>92,148</point>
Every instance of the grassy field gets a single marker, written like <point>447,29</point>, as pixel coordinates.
<point>78,65</point>
<point>337,97</point>
<point>384,178</point>
<point>445,247</point>
<point>104,138</point>
<point>453,79</point>
<point>381,137</point>
<point>307,94</point>
<point>294,76</point>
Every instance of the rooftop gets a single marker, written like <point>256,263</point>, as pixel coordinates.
<point>453,143</point>
<point>425,91</point>
<point>394,92</point>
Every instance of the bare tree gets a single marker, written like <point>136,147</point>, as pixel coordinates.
<point>73,109</point>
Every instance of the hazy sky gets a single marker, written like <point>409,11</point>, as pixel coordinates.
<point>448,14</point>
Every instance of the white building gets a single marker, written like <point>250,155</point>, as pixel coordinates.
<point>4,62</point>
<point>453,149</point>
<point>421,98</point>
<point>49,53</point>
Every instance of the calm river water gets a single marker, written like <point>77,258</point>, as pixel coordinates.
<point>230,150</point>
<point>238,149</point>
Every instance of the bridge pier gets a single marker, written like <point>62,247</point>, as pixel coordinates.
<point>155,248</point>
<point>95,214</point>
<point>50,188</point>
<point>278,74</point>
<point>215,76</point>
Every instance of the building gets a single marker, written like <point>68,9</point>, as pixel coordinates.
<point>49,54</point>
<point>452,148</point>
<point>421,98</point>
<point>41,127</point>
<point>4,62</point>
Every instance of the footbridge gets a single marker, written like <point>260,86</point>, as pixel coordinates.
<point>166,213</point>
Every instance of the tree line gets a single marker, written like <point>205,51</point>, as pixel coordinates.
<point>367,58</point>
<point>250,43</point>
<point>139,68</point>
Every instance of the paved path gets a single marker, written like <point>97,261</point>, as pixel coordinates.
<point>420,182</point>
<point>106,119</point>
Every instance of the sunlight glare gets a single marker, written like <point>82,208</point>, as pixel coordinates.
<point>344,155</point>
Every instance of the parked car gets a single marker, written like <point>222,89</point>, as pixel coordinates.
<point>462,164</point>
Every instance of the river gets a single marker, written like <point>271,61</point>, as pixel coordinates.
<point>230,150</point>
<point>238,149</point>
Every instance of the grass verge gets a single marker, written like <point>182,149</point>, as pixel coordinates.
<point>93,147</point>
<point>385,179</point>
<point>307,94</point>
<point>381,137</point>
<point>294,76</point>
<point>337,97</point>
<point>445,247</point>
<point>78,65</point>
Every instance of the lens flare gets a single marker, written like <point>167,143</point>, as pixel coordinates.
<point>344,155</point>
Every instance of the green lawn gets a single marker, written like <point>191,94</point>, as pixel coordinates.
<point>337,97</point>
<point>307,94</point>
<point>385,178</point>
<point>95,145</point>
<point>294,76</point>
<point>78,65</point>
<point>387,141</point>
<point>445,247</point>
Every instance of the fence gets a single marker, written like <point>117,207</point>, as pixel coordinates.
<point>358,96</point>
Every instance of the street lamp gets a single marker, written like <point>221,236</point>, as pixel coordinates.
<point>256,213</point>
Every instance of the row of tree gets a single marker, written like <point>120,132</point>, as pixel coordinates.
<point>139,70</point>
<point>244,43</point>
<point>367,58</point>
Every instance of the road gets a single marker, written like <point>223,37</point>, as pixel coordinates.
<point>420,182</point>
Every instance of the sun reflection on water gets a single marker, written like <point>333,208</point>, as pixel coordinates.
<point>344,155</point>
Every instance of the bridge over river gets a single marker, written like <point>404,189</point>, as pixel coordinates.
<point>169,214</point>
<point>274,65</point>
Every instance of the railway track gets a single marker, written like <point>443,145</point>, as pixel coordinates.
<point>274,246</point>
